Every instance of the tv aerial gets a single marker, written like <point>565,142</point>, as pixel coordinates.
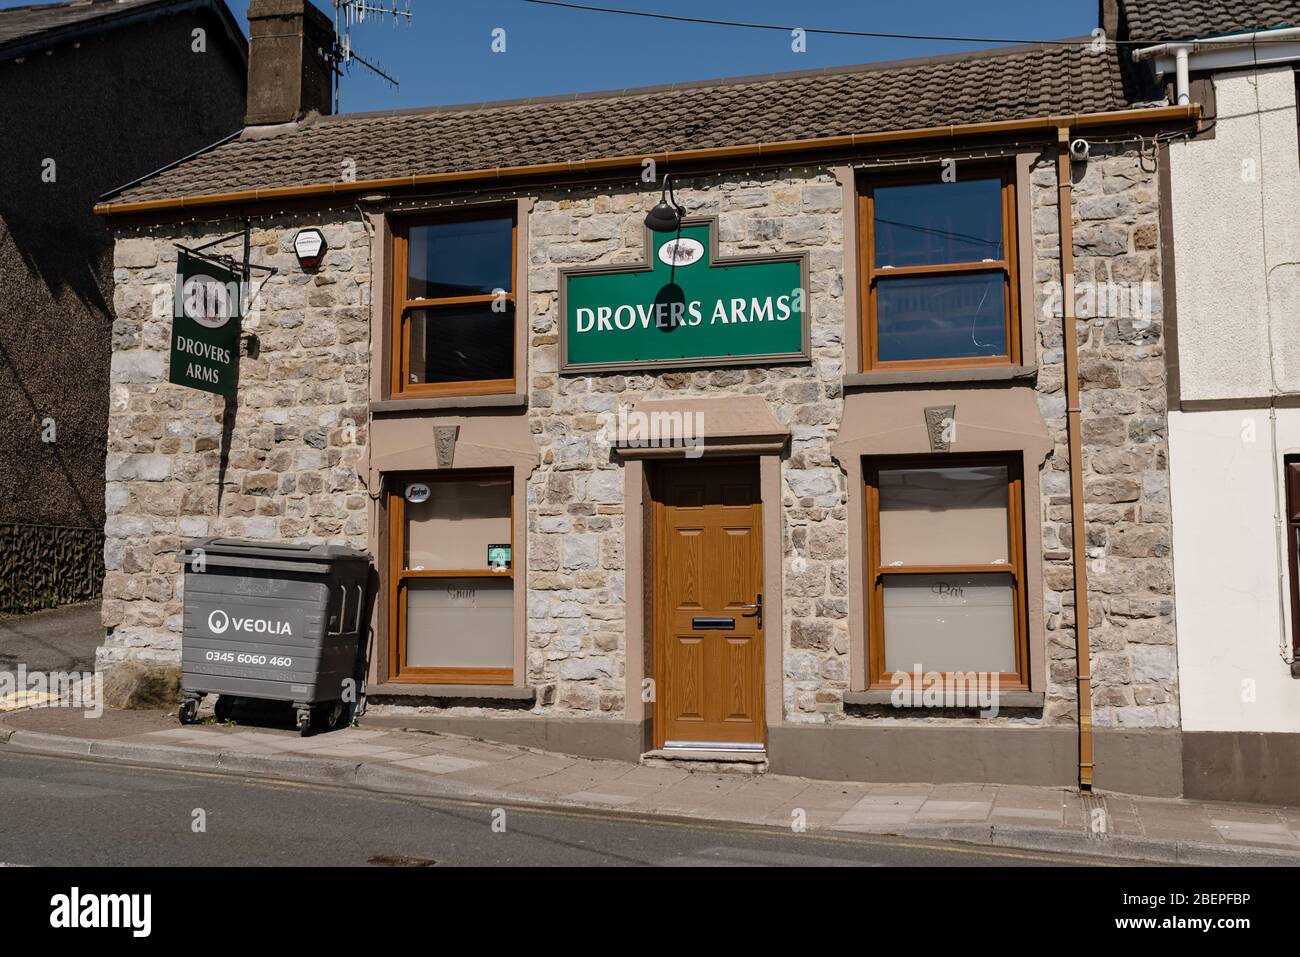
<point>350,12</point>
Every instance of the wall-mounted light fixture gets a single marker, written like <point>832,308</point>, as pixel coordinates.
<point>665,218</point>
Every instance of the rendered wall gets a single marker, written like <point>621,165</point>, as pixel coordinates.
<point>1238,241</point>
<point>1231,618</point>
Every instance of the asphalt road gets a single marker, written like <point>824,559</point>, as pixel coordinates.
<point>72,812</point>
<point>58,639</point>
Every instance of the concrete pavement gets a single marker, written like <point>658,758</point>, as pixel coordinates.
<point>58,639</point>
<point>63,811</point>
<point>431,765</point>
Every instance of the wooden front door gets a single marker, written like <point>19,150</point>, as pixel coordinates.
<point>708,568</point>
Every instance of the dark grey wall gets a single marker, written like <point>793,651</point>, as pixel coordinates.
<point>119,106</point>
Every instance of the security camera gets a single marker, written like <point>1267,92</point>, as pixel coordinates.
<point>1079,149</point>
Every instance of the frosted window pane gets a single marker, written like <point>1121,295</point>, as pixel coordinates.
<point>949,623</point>
<point>943,516</point>
<point>460,623</point>
<point>454,527</point>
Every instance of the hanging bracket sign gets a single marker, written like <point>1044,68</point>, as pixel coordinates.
<point>205,326</point>
<point>685,306</point>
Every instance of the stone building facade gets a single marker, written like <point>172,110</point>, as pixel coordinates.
<point>858,335</point>
<point>571,418</point>
<point>288,457</point>
<point>293,458</point>
<point>1125,443</point>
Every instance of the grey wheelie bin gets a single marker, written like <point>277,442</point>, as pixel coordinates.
<point>274,621</point>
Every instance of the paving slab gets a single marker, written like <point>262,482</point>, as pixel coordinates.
<point>580,776</point>
<point>881,810</point>
<point>438,763</point>
<point>965,811</point>
<point>756,798</point>
<point>511,772</point>
<point>1172,820</point>
<point>1122,817</point>
<point>694,794</point>
<point>1255,832</point>
<point>820,804</point>
<point>655,777</point>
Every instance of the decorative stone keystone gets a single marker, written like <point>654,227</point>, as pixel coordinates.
<point>444,444</point>
<point>940,421</point>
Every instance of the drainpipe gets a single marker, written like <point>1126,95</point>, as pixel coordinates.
<point>1079,535</point>
<point>1180,74</point>
<point>1180,52</point>
<point>1255,47</point>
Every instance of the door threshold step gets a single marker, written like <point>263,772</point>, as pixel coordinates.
<point>707,760</point>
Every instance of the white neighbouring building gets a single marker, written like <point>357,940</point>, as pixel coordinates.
<point>1232,298</point>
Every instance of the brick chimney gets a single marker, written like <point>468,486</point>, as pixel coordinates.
<point>289,75</point>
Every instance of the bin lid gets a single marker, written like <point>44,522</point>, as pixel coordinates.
<point>255,553</point>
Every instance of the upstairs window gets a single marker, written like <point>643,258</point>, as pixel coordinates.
<point>939,270</point>
<point>454,306</point>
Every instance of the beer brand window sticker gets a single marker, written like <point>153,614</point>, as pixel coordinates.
<point>685,306</point>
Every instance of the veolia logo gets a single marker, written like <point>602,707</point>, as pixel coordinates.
<point>219,621</point>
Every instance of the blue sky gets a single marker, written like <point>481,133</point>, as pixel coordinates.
<point>445,55</point>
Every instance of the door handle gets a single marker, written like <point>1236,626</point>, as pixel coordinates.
<point>757,609</point>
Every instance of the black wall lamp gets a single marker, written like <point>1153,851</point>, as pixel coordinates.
<point>665,218</point>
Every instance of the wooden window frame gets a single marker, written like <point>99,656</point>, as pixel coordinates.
<point>400,327</point>
<point>398,577</point>
<point>1291,471</point>
<point>869,275</point>
<point>877,676</point>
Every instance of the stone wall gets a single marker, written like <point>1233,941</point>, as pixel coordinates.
<point>290,456</point>
<point>180,465</point>
<point>1125,444</point>
<point>576,563</point>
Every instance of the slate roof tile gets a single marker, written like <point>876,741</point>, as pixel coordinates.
<point>1005,84</point>
<point>1157,20</point>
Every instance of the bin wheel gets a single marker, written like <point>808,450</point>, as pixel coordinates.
<point>304,721</point>
<point>223,708</point>
<point>189,711</point>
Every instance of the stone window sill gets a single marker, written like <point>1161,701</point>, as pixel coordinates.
<point>866,380</point>
<point>1031,700</point>
<point>505,695</point>
<point>449,402</point>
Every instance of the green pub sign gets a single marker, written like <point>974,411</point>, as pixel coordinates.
<point>685,306</point>
<point>205,326</point>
